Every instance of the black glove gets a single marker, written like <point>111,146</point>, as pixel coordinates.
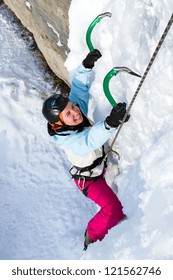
<point>116,115</point>
<point>91,58</point>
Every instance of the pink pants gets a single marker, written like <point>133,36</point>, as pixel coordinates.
<point>110,213</point>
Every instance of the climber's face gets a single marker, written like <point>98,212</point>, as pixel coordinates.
<point>72,115</point>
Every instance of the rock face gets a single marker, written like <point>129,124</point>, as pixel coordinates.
<point>47,20</point>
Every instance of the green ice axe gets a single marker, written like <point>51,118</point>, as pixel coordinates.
<point>107,78</point>
<point>91,27</point>
<point>115,70</point>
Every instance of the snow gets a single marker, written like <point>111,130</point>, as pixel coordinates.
<point>43,215</point>
<point>54,30</point>
<point>28,5</point>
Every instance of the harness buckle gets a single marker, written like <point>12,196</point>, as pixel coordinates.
<point>73,171</point>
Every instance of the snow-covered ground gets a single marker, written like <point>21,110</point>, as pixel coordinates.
<point>42,214</point>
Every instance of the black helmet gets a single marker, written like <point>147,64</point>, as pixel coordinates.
<point>53,106</point>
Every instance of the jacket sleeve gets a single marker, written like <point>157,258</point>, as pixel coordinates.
<point>81,83</point>
<point>87,140</point>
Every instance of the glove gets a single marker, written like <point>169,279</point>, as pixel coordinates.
<point>91,58</point>
<point>116,115</point>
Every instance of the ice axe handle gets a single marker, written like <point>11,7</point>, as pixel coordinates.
<point>106,81</point>
<point>91,27</point>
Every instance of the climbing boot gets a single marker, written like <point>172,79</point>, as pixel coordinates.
<point>87,240</point>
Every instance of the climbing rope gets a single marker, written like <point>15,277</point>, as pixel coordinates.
<point>142,80</point>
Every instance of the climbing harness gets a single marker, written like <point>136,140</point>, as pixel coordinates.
<point>77,173</point>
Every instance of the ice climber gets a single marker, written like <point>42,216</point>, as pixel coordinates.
<point>83,143</point>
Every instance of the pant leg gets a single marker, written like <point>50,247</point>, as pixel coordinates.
<point>110,213</point>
